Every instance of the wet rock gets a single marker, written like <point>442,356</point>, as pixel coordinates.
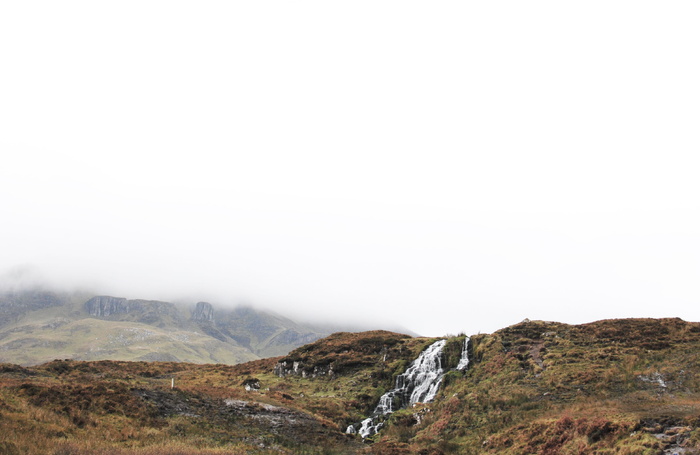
<point>418,384</point>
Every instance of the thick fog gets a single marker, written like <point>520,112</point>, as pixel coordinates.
<point>450,167</point>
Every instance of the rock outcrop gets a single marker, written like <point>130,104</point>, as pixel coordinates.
<point>286,368</point>
<point>203,312</point>
<point>251,384</point>
<point>154,312</point>
<point>102,306</point>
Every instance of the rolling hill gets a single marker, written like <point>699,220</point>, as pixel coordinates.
<point>626,386</point>
<point>37,326</point>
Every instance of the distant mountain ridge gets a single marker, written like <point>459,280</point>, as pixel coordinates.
<point>38,326</point>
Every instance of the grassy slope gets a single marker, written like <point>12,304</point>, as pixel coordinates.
<point>266,334</point>
<point>363,366</point>
<point>549,388</point>
<point>610,387</point>
<point>72,407</point>
<point>89,339</point>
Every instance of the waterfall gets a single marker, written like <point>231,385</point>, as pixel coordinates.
<point>464,360</point>
<point>418,384</point>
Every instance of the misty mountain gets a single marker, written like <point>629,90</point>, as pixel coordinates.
<point>39,325</point>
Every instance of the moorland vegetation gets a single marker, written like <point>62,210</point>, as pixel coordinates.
<point>628,386</point>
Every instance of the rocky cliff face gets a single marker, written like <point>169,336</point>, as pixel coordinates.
<point>160,314</point>
<point>102,306</point>
<point>203,312</point>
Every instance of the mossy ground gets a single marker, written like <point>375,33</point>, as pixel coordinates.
<point>610,387</point>
<point>548,388</point>
<point>74,407</point>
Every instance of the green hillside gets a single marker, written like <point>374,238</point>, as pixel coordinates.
<point>93,339</point>
<point>37,326</point>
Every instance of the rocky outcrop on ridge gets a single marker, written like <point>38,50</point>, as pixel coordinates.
<point>102,306</point>
<point>203,311</point>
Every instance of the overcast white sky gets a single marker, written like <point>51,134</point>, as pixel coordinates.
<point>444,166</point>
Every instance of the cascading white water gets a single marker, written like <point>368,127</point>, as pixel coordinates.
<point>422,378</point>
<point>464,360</point>
<point>418,384</point>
